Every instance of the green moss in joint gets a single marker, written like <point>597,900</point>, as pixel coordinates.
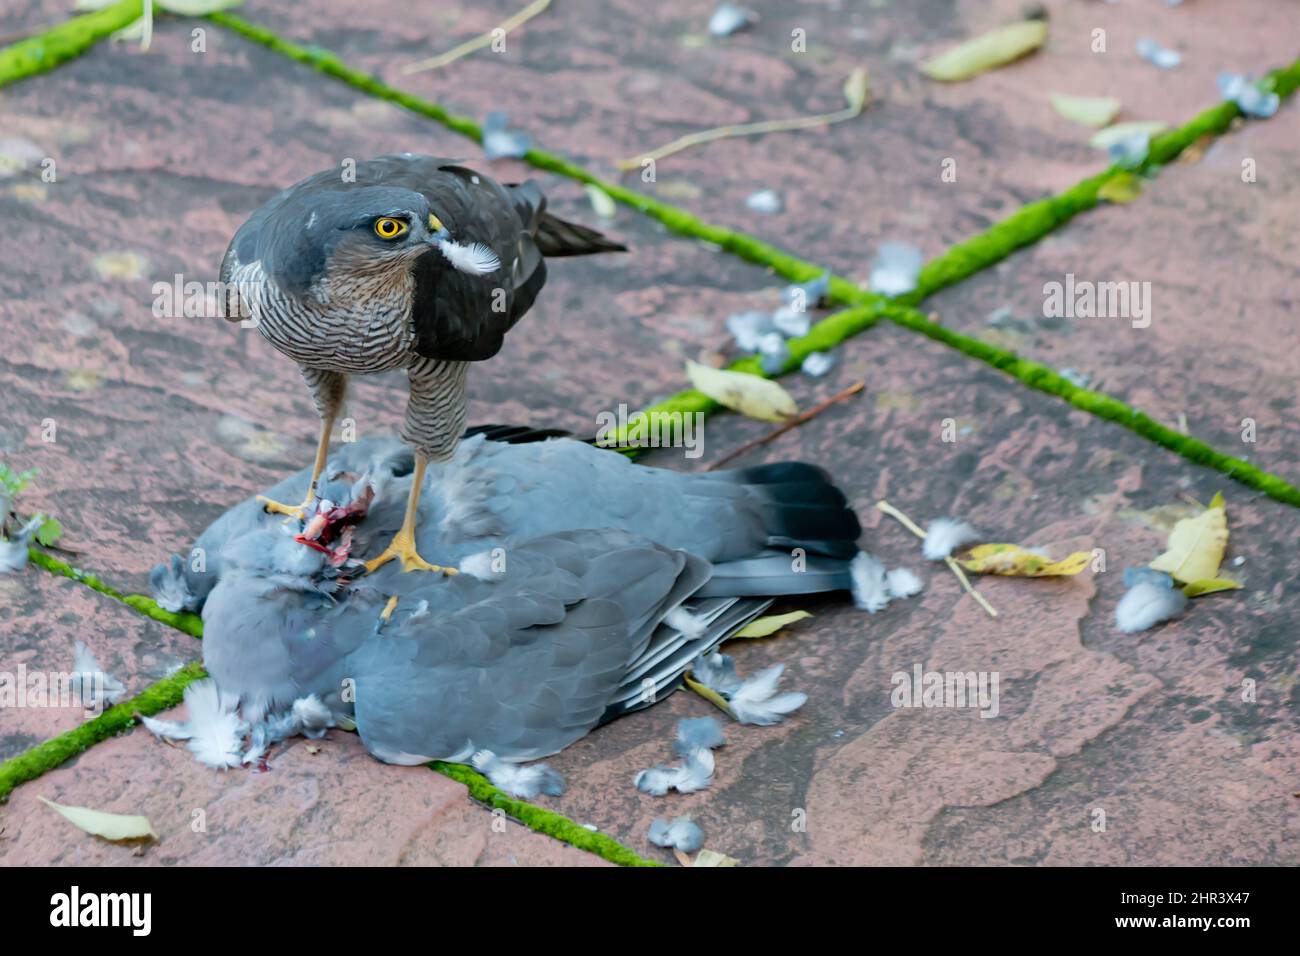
<point>168,692</point>
<point>539,818</point>
<point>191,624</point>
<point>64,42</point>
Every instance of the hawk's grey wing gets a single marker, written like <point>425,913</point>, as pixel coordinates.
<point>522,665</point>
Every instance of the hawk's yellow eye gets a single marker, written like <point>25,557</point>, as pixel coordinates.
<point>389,228</point>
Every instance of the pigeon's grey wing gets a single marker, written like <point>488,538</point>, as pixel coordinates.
<point>719,516</point>
<point>522,665</point>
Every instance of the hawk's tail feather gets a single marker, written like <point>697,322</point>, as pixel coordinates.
<point>558,237</point>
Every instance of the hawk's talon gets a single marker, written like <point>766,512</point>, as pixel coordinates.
<point>293,511</point>
<point>403,546</point>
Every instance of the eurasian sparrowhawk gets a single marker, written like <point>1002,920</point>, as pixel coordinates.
<point>414,263</point>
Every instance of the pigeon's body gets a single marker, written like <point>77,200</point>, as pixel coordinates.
<point>581,563</point>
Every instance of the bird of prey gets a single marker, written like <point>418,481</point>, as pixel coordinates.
<point>586,595</point>
<point>414,263</point>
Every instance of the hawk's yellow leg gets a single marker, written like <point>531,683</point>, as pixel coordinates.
<point>322,452</point>
<point>403,543</point>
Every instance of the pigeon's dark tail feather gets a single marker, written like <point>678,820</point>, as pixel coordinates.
<point>556,237</point>
<point>801,508</point>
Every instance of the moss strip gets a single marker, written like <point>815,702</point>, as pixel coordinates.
<point>64,42</point>
<point>191,624</point>
<point>540,819</point>
<point>168,692</point>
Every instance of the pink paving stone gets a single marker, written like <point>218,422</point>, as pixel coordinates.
<point>41,618</point>
<point>1215,348</point>
<point>336,807</point>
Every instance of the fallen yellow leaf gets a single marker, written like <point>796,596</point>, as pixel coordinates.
<point>1120,188</point>
<point>1094,111</point>
<point>110,826</point>
<point>712,696</point>
<point>748,394</point>
<point>985,52</point>
<point>766,626</point>
<point>1014,561</point>
<point>1197,588</point>
<point>1121,131</point>
<point>707,857</point>
<point>1196,545</point>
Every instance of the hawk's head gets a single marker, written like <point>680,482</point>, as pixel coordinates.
<point>346,234</point>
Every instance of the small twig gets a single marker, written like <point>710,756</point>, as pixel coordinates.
<point>855,107</point>
<point>912,526</point>
<point>792,423</point>
<point>442,59</point>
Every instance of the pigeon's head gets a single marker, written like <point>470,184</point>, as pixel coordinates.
<point>346,237</point>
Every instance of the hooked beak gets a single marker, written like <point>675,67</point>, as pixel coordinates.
<point>437,231</point>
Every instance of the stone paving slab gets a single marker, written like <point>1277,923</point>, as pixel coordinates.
<point>334,807</point>
<point>1215,349</point>
<point>1149,727</point>
<point>41,618</point>
<point>161,428</point>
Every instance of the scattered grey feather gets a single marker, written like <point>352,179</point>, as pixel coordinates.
<point>773,352</point>
<point>1153,52</point>
<point>729,18</point>
<point>765,200</point>
<point>499,141</point>
<point>756,701</point>
<point>902,583</point>
<point>944,536</point>
<point>748,328</point>
<point>170,588</point>
<point>13,552</point>
<point>1250,99</point>
<point>896,270</point>
<point>682,834</point>
<point>814,293</point>
<point>686,622</point>
<point>717,671</point>
<point>817,364</point>
<point>791,322</point>
<point>525,782</point>
<point>90,683</point>
<point>869,583</point>
<point>694,773</point>
<point>694,733</point>
<point>1146,604</point>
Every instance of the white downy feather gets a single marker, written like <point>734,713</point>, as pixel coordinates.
<point>1146,605</point>
<point>216,730</point>
<point>694,773</point>
<point>521,781</point>
<point>479,566</point>
<point>474,259</point>
<point>756,702</point>
<point>944,536</point>
<point>902,583</point>
<point>870,592</point>
<point>686,622</point>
